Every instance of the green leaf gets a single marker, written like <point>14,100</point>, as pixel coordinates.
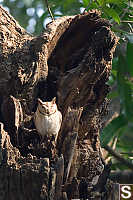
<point>125,142</point>
<point>114,63</point>
<point>27,2</point>
<point>114,73</point>
<point>112,13</point>
<point>125,89</point>
<point>101,2</point>
<point>112,129</point>
<point>127,99</point>
<point>130,57</point>
<point>112,95</point>
<point>112,80</point>
<point>117,2</point>
<point>86,3</point>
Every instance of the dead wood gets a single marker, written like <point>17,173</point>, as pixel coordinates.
<point>71,61</point>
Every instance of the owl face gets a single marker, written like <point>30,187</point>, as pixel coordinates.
<point>47,108</point>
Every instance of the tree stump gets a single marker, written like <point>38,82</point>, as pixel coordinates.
<point>71,60</point>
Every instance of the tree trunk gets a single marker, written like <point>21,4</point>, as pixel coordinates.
<point>71,60</point>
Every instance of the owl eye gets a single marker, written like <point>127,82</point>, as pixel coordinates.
<point>45,107</point>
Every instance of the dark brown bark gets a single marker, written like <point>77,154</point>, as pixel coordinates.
<point>125,176</point>
<point>72,61</point>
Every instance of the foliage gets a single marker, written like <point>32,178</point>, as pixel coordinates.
<point>33,15</point>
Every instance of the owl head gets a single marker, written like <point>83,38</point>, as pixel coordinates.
<point>47,108</point>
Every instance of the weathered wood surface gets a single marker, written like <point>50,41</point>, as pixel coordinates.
<point>71,60</point>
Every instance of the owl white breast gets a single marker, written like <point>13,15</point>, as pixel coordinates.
<point>48,118</point>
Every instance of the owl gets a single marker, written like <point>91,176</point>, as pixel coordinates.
<point>48,119</point>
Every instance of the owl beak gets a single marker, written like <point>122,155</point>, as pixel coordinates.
<point>48,112</point>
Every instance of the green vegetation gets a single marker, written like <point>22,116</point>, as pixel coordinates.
<point>33,15</point>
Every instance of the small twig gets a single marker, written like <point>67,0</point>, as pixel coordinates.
<point>127,153</point>
<point>113,146</point>
<point>49,10</point>
<point>130,26</point>
<point>127,21</point>
<point>114,143</point>
<point>125,11</point>
<point>118,157</point>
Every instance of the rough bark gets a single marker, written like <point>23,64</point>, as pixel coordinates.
<point>71,60</point>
